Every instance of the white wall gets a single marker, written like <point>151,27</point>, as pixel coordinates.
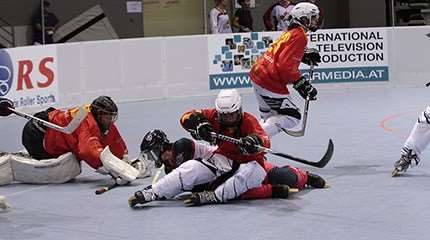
<point>148,68</point>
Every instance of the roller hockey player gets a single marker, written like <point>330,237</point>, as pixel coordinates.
<point>279,66</point>
<point>244,163</point>
<point>417,141</point>
<point>157,147</point>
<point>160,150</point>
<point>54,157</point>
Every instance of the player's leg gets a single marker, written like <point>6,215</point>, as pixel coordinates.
<point>249,175</point>
<point>24,169</point>
<point>295,177</point>
<point>276,110</point>
<point>33,135</point>
<point>181,179</point>
<point>417,141</point>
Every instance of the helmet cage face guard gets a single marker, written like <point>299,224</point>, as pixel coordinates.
<point>154,155</point>
<point>112,117</point>
<point>312,23</point>
<point>104,117</point>
<point>230,119</point>
<point>153,145</point>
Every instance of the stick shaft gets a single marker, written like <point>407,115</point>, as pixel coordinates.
<point>321,163</point>
<point>68,129</point>
<point>301,132</point>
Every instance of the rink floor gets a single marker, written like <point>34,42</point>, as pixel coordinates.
<point>368,127</point>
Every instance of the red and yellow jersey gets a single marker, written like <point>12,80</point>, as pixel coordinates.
<point>279,65</point>
<point>248,126</point>
<point>86,142</point>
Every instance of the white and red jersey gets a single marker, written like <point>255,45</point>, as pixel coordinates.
<point>219,21</point>
<point>280,14</point>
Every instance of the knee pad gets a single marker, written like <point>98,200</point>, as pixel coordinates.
<point>291,176</point>
<point>290,112</point>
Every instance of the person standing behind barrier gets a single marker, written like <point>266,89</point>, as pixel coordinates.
<point>219,21</point>
<point>49,20</point>
<point>242,17</point>
<point>280,14</point>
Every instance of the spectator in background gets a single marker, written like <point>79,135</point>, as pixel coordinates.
<point>50,21</point>
<point>267,18</point>
<point>242,17</point>
<point>219,22</point>
<point>276,15</point>
<point>280,14</point>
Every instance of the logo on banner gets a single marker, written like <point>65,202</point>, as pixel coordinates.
<point>232,56</point>
<point>6,73</point>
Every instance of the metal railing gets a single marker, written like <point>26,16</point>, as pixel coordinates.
<point>7,34</point>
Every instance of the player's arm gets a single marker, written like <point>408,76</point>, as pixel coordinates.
<point>197,123</point>
<point>254,136</point>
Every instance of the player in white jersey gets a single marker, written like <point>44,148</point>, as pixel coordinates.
<point>219,21</point>
<point>417,141</point>
<point>280,14</point>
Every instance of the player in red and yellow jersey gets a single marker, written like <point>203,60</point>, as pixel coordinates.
<point>279,66</point>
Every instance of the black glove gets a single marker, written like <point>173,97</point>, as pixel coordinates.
<point>249,144</point>
<point>311,57</point>
<point>305,89</point>
<point>204,131</point>
<point>5,104</point>
<point>191,121</point>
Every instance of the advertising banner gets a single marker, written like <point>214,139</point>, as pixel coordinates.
<point>351,55</point>
<point>29,76</point>
<point>348,55</point>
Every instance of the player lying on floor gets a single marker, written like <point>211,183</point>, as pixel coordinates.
<point>241,168</point>
<point>54,156</point>
<point>156,147</point>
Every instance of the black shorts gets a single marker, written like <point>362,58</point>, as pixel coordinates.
<point>33,135</point>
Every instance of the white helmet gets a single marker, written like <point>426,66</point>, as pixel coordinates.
<point>306,15</point>
<point>228,105</point>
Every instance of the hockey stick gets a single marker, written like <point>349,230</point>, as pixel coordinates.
<point>114,185</point>
<point>157,175</point>
<point>320,164</point>
<point>76,121</point>
<point>106,188</point>
<point>301,132</point>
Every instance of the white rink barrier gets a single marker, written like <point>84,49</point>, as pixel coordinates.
<point>165,67</point>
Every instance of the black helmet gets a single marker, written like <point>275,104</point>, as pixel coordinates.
<point>104,105</point>
<point>154,143</point>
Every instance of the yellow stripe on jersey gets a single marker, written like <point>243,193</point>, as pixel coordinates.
<point>278,42</point>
